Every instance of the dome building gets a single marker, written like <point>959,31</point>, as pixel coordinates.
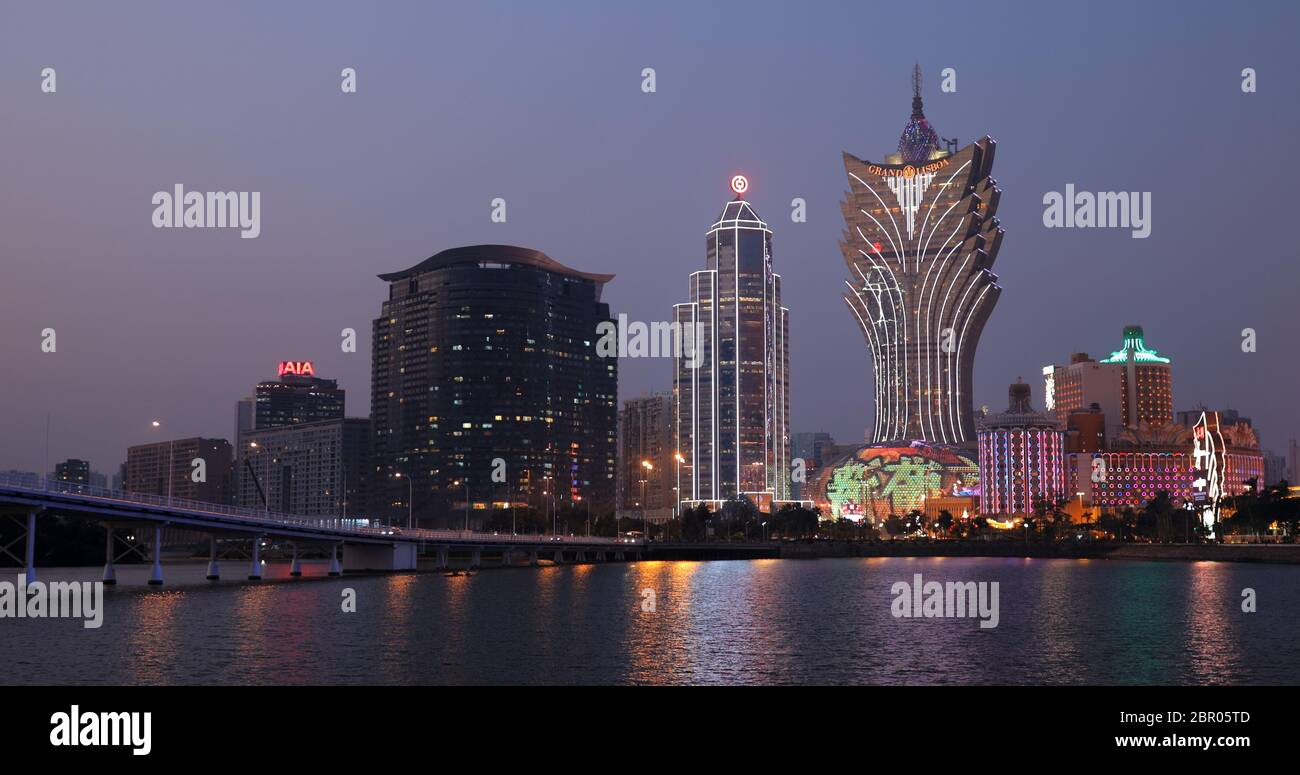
<point>1021,458</point>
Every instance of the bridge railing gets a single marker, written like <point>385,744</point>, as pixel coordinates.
<point>51,485</point>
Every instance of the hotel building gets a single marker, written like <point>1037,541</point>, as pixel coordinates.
<point>732,397</point>
<point>488,353</point>
<point>920,239</point>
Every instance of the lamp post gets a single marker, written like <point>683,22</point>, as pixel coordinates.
<point>410,499</point>
<point>266,478</point>
<point>648,466</point>
<point>171,460</point>
<point>465,481</point>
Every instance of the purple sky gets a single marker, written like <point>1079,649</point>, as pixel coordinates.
<point>540,104</point>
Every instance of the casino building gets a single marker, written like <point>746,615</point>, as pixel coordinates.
<point>732,398</point>
<point>1022,458</point>
<point>920,239</point>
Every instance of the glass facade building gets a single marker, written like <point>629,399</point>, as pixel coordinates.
<point>732,397</point>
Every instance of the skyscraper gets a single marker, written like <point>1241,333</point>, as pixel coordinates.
<point>297,396</point>
<point>732,397</point>
<point>1133,386</point>
<point>488,353</point>
<point>920,239</point>
<point>1146,381</point>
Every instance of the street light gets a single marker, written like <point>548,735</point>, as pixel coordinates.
<point>466,483</point>
<point>677,510</point>
<point>171,460</point>
<point>648,466</point>
<point>266,480</point>
<point>410,498</point>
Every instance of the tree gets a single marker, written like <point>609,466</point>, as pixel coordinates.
<point>696,523</point>
<point>794,521</point>
<point>1158,516</point>
<point>893,525</point>
<point>945,521</point>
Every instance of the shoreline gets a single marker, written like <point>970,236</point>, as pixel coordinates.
<point>1285,554</point>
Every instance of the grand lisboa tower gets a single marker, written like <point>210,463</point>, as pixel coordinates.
<point>920,239</point>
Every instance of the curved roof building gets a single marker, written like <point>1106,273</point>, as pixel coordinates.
<point>484,353</point>
<point>919,241</point>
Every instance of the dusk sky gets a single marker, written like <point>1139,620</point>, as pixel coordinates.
<point>458,104</point>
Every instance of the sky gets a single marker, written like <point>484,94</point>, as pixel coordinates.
<point>541,104</point>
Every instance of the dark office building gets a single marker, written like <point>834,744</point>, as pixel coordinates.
<point>298,396</point>
<point>488,352</point>
<point>73,470</point>
<point>167,468</point>
<point>313,469</point>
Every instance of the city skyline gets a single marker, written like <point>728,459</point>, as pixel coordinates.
<point>217,313</point>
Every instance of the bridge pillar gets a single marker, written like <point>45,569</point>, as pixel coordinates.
<point>442,558</point>
<point>31,547</point>
<point>532,556</point>
<point>476,558</point>
<point>335,568</point>
<point>618,555</point>
<point>214,572</point>
<point>581,556</point>
<point>558,556</point>
<point>255,568</point>
<point>505,556</point>
<point>295,568</point>
<point>156,577</point>
<point>110,578</point>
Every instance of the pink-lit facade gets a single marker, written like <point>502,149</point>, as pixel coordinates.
<point>1021,458</point>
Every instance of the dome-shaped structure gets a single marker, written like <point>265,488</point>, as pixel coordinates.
<point>919,140</point>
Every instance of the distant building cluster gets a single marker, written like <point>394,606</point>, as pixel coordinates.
<point>490,391</point>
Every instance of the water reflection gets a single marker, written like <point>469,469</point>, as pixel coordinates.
<point>794,621</point>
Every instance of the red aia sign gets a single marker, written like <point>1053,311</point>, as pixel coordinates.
<point>297,368</point>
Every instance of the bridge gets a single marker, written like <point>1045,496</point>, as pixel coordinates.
<point>364,547</point>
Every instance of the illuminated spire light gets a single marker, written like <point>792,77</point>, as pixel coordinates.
<point>740,184</point>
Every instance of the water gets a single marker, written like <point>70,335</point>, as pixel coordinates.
<point>763,621</point>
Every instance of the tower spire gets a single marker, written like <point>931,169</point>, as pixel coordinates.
<point>916,91</point>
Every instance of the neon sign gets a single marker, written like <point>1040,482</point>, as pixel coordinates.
<point>297,368</point>
<point>740,184</point>
<point>907,170</point>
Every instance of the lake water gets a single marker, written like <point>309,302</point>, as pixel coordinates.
<point>760,621</point>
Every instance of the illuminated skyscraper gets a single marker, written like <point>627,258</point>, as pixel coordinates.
<point>1146,381</point>
<point>732,397</point>
<point>1132,387</point>
<point>920,239</point>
